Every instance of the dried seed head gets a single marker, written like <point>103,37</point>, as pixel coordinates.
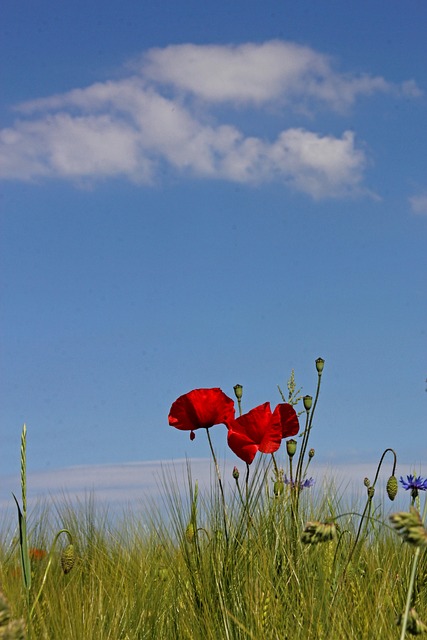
<point>9,629</point>
<point>414,625</point>
<point>15,630</point>
<point>410,527</point>
<point>371,492</point>
<point>68,558</point>
<point>367,482</point>
<point>316,532</point>
<point>392,487</point>
<point>4,610</point>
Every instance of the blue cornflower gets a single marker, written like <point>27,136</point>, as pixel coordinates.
<point>302,485</point>
<point>414,484</point>
<point>308,483</point>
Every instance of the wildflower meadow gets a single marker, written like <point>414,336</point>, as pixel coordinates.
<point>264,554</point>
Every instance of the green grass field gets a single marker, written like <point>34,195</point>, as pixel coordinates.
<point>180,574</point>
<point>267,558</point>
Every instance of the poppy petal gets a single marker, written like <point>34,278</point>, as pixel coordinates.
<point>201,408</point>
<point>242,446</point>
<point>257,430</point>
<point>288,419</point>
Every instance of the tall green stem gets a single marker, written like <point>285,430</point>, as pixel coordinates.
<point>411,582</point>
<point>50,558</point>
<point>309,424</point>
<point>219,482</point>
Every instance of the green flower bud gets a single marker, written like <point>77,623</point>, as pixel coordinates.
<point>278,488</point>
<point>238,391</point>
<point>291,447</point>
<point>367,482</point>
<point>68,558</point>
<point>392,487</point>
<point>311,453</point>
<point>307,400</point>
<point>236,473</point>
<point>320,363</point>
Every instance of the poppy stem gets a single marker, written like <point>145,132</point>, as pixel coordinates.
<point>219,482</point>
<point>276,468</point>
<point>308,426</point>
<point>247,486</point>
<point>239,404</point>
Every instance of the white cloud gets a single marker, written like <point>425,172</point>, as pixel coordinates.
<point>135,126</point>
<point>64,145</point>
<point>419,204</point>
<point>257,73</point>
<point>130,484</point>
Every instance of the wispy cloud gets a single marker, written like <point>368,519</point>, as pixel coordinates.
<point>163,116</point>
<point>130,484</point>
<point>419,204</point>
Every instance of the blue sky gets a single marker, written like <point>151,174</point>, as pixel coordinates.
<point>205,194</point>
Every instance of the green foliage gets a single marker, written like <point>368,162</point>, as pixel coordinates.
<point>150,579</point>
<point>274,561</point>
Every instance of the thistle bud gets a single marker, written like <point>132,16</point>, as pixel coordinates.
<point>392,487</point>
<point>238,391</point>
<point>236,473</point>
<point>307,400</point>
<point>320,363</point>
<point>291,447</point>
<point>68,558</point>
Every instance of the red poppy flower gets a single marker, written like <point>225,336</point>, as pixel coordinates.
<point>201,408</point>
<point>36,554</point>
<point>288,420</point>
<point>261,430</point>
